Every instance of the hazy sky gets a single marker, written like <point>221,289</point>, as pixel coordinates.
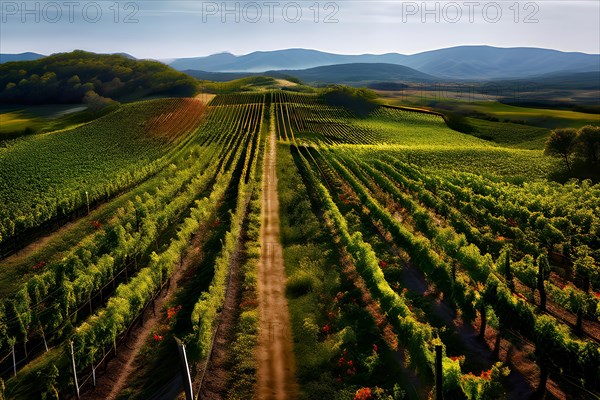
<point>161,29</point>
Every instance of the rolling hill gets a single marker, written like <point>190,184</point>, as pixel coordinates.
<point>353,74</point>
<point>358,72</point>
<point>68,77</point>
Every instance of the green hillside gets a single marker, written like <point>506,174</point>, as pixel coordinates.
<point>67,77</point>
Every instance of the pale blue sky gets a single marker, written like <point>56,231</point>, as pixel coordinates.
<point>195,28</point>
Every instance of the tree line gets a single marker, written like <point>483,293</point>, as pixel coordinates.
<point>81,76</point>
<point>577,147</point>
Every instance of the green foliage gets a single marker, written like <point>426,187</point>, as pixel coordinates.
<point>561,143</point>
<point>506,268</point>
<point>300,284</point>
<point>243,373</point>
<point>206,310</point>
<point>487,386</point>
<point>67,77</point>
<point>47,176</point>
<point>588,143</point>
<point>359,101</point>
<point>458,122</point>
<point>419,338</point>
<point>509,134</point>
<point>48,382</point>
<point>585,267</point>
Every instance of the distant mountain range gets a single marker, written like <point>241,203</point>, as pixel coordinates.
<point>4,58</point>
<point>462,63</point>
<point>475,63</point>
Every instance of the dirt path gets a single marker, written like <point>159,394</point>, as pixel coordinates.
<point>276,364</point>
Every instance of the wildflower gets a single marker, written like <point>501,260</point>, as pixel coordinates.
<point>487,375</point>
<point>172,311</point>
<point>96,224</point>
<point>39,265</point>
<point>363,394</point>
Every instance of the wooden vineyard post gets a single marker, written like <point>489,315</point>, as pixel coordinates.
<point>74,371</point>
<point>185,370</point>
<point>14,361</point>
<point>44,337</point>
<point>438,372</point>
<point>87,199</point>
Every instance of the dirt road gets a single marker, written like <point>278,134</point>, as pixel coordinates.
<point>276,363</point>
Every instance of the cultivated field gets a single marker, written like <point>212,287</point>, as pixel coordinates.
<point>299,250</point>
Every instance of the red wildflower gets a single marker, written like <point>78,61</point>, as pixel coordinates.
<point>216,223</point>
<point>39,265</point>
<point>172,311</point>
<point>375,348</point>
<point>158,338</point>
<point>487,375</point>
<point>96,224</point>
<point>326,329</point>
<point>382,264</point>
<point>363,394</point>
